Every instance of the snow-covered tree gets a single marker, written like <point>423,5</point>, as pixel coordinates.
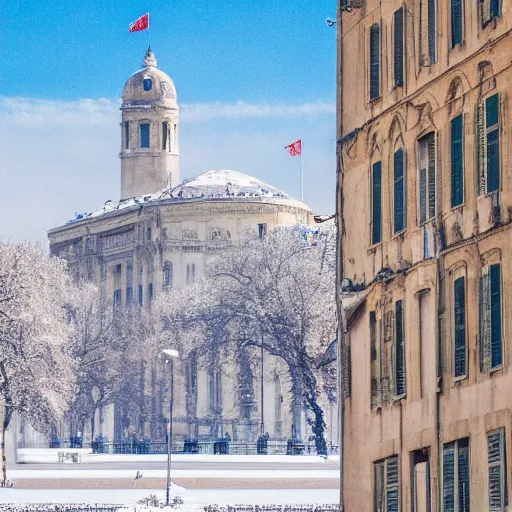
<point>37,367</point>
<point>276,293</point>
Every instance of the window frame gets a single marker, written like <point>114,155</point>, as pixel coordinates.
<point>147,83</point>
<point>456,445</point>
<point>454,44</point>
<point>459,275</point>
<point>493,16</point>
<point>387,487</point>
<point>373,240</point>
<point>495,128</point>
<point>399,67</point>
<point>402,392</point>
<point>396,228</point>
<point>502,464</point>
<point>423,145</point>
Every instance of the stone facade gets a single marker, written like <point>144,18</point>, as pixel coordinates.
<point>425,202</point>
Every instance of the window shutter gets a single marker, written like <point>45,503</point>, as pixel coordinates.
<point>457,161</point>
<point>165,131</point>
<point>456,11</point>
<point>495,8</point>
<point>492,142</point>
<point>485,11</point>
<point>376,202</point>
<point>373,336</point>
<point>374,62</point>
<point>399,47</point>
<point>379,487</point>
<point>460,327</point>
<point>482,148</point>
<point>431,141</point>
<point>463,474</point>
<point>495,307</point>
<point>495,455</point>
<point>399,191</point>
<point>449,477</point>
<point>423,195</point>
<point>432,31</point>
<point>400,376</point>
<point>485,328</point>
<point>392,484</point>
<point>346,371</point>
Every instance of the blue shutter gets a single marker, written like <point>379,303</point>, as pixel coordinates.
<point>399,191</point>
<point>144,135</point>
<point>376,203</point>
<point>460,327</point>
<point>457,161</point>
<point>140,295</point>
<point>400,377</point>
<point>495,8</point>
<point>374,61</point>
<point>129,295</point>
<point>463,474</point>
<point>449,477</point>
<point>495,295</point>
<point>495,447</point>
<point>492,141</point>
<point>456,15</point>
<point>392,484</point>
<point>431,141</point>
<point>399,47</point>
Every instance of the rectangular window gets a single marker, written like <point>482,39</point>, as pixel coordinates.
<point>490,10</point>
<point>165,134</point>
<point>191,273</point>
<point>491,349</point>
<point>497,471</point>
<point>374,61</point>
<point>117,285</point>
<point>141,292</point>
<point>460,351</point>
<point>386,490</point>
<point>427,178</point>
<point>126,134</point>
<point>428,32</point>
<point>400,375</point>
<point>421,501</point>
<point>456,19</point>
<point>262,230</point>
<point>488,145</point>
<point>457,161</point>
<point>399,192</point>
<point>456,476</point>
<point>129,295</point>
<point>144,135</point>
<point>117,298</point>
<point>376,203</point>
<point>150,292</point>
<point>398,29</point>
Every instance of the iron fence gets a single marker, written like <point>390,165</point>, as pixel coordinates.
<point>51,507</point>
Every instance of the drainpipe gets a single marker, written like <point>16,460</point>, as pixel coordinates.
<point>339,246</point>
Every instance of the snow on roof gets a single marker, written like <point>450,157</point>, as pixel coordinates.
<point>223,184</point>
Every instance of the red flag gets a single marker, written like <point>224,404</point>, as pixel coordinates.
<point>141,24</point>
<point>295,149</point>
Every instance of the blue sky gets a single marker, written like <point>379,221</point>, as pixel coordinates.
<point>251,78</point>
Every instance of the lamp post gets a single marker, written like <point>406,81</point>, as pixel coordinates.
<point>170,355</point>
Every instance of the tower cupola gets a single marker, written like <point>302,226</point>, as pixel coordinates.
<point>149,135</point>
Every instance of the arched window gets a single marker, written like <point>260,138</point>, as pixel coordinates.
<point>168,275</point>
<point>148,83</point>
<point>144,135</point>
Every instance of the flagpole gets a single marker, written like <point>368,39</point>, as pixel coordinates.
<point>149,32</point>
<point>301,176</point>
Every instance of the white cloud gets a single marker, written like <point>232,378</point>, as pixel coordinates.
<point>61,157</point>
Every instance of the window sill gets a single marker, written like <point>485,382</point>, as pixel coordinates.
<point>459,379</point>
<point>495,369</point>
<point>399,398</point>
<point>399,233</point>
<point>427,221</point>
<point>373,247</point>
<point>460,206</point>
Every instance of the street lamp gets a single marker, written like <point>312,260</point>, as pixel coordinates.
<point>170,355</point>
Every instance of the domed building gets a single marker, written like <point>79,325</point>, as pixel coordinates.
<point>160,234</point>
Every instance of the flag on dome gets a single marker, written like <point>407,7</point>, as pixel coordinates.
<point>295,148</point>
<point>140,24</point>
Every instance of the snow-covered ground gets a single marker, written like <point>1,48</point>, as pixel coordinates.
<point>191,497</point>
<point>305,474</point>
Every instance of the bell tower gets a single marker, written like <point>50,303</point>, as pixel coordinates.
<point>150,157</point>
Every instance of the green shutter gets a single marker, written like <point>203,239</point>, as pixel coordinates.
<point>399,191</point>
<point>495,296</point>
<point>374,61</point>
<point>399,47</point>
<point>485,324</point>
<point>449,477</point>
<point>400,376</point>
<point>423,195</point>
<point>457,161</point>
<point>392,484</point>
<point>492,142</point>
<point>460,327</point>
<point>373,336</point>
<point>456,15</point>
<point>463,474</point>
<point>496,475</point>
<point>481,148</point>
<point>376,203</point>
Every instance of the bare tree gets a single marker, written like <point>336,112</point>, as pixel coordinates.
<point>276,293</point>
<point>36,364</point>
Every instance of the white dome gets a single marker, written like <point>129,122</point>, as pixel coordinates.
<point>225,183</point>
